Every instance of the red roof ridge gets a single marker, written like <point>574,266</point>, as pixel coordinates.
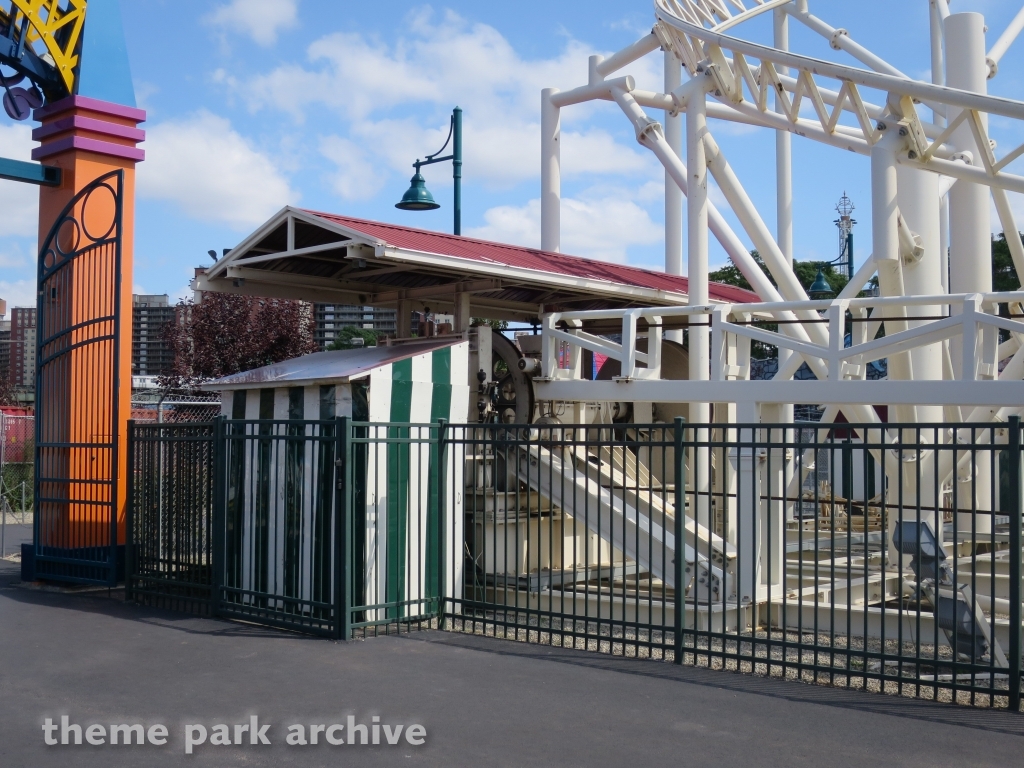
<point>721,291</point>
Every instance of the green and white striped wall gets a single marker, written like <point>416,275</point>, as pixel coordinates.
<point>280,498</point>
<point>402,515</point>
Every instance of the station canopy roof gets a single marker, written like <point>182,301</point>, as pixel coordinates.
<point>334,366</point>
<point>322,257</point>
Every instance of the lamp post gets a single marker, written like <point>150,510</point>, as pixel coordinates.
<point>820,289</point>
<point>418,197</point>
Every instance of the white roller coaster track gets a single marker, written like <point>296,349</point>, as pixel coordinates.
<point>918,163</point>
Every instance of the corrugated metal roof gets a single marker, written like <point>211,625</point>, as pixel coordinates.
<point>325,367</point>
<point>529,258</point>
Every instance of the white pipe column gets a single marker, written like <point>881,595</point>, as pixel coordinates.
<point>783,181</point>
<point>939,118</point>
<point>918,199</point>
<point>783,154</point>
<point>698,292</point>
<point>919,204</point>
<point>673,194</point>
<point>885,217</point>
<point>970,245</point>
<point>885,241</point>
<point>550,172</point>
<point>970,257</point>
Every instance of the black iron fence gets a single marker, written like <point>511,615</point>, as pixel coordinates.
<point>877,557</point>
<point>257,520</point>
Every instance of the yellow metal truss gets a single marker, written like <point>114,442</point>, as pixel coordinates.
<point>59,29</point>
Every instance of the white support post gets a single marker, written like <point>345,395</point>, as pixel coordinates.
<point>719,344</point>
<point>575,353</point>
<point>550,173</point>
<point>969,358</point>
<point>548,351</point>
<point>697,233</point>
<point>970,247</point>
<point>463,312</point>
<point>783,154</point>
<point>403,323</point>
<point>970,232</point>
<point>697,274</point>
<point>939,118</point>
<point>629,344</point>
<point>654,337</point>
<point>885,241</point>
<point>919,206</point>
<point>673,194</point>
<point>836,338</point>
<point>974,483</point>
<point>783,179</point>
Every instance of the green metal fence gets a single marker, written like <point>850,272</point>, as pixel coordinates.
<point>876,557</point>
<point>313,526</point>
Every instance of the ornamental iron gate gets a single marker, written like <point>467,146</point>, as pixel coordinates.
<point>77,388</point>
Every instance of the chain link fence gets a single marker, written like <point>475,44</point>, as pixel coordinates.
<point>17,445</point>
<point>174,408</point>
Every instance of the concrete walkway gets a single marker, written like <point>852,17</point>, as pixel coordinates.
<point>483,702</point>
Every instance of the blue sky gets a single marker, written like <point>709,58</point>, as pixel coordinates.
<point>254,104</point>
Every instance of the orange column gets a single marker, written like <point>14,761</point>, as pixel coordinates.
<point>88,138</point>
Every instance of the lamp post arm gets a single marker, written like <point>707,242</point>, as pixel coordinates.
<point>455,137</point>
<point>432,160</point>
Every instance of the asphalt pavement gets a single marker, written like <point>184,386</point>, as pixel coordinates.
<point>482,702</point>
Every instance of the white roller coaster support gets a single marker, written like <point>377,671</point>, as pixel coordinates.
<point>917,172</point>
<point>550,172</point>
<point>783,178</point>
<point>970,230</point>
<point>1005,40</point>
<point>673,194</point>
<point>840,40</point>
<point>885,241</point>
<point>757,231</point>
<point>919,200</point>
<point>654,140</point>
<point>935,18</point>
<point>970,256</point>
<point>783,154</point>
<point>697,274</point>
<point>628,55</point>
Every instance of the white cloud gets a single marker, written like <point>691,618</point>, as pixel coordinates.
<point>355,178</point>
<point>13,256</point>
<point>260,20</point>
<point>600,228</point>
<point>211,172</point>
<point>502,154</point>
<point>437,63</point>
<point>18,293</point>
<point>19,202</point>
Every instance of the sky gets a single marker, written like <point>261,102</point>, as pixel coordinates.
<point>256,104</point>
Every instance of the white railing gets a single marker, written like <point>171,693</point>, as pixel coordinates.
<point>973,318</point>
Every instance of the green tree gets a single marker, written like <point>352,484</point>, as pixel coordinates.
<point>498,325</point>
<point>343,338</point>
<point>1004,275</point>
<point>226,333</point>
<point>806,272</point>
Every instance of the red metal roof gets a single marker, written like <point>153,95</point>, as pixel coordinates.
<point>530,258</point>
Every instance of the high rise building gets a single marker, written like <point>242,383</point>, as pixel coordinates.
<point>23,347</point>
<point>150,316</point>
<point>331,318</point>
<point>5,341</point>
